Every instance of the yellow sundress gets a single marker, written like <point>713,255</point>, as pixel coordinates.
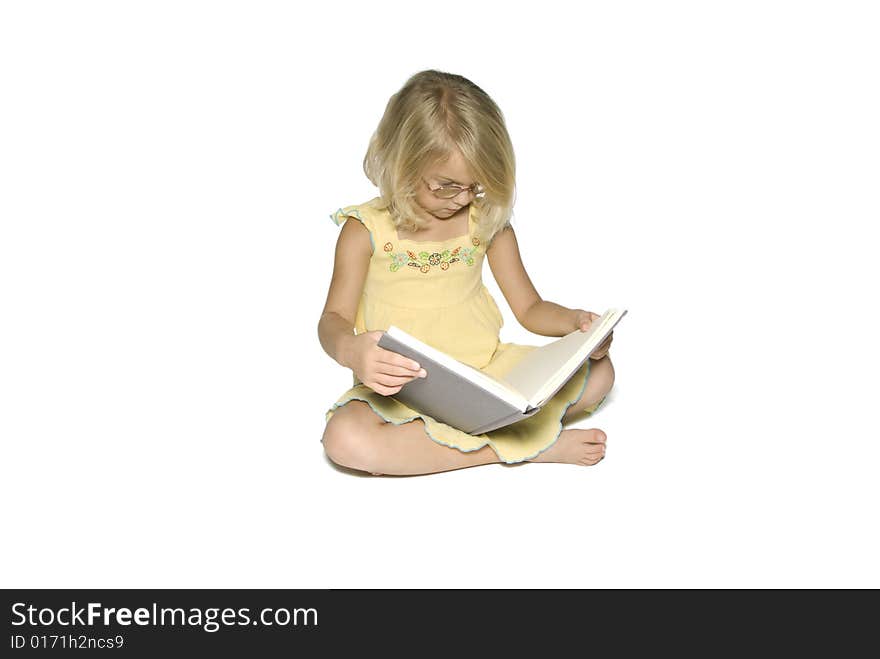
<point>434,290</point>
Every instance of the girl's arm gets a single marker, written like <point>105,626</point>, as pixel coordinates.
<point>336,326</point>
<point>536,315</point>
<point>383,371</point>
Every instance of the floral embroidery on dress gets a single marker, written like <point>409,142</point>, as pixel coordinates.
<point>424,261</point>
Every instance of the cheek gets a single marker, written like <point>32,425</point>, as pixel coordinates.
<point>429,201</point>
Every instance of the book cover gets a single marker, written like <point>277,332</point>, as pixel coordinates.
<point>463,397</point>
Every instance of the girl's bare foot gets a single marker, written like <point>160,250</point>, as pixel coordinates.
<point>575,446</point>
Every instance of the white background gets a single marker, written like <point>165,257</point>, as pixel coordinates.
<point>167,172</point>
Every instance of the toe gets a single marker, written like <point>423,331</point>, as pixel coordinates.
<point>596,437</point>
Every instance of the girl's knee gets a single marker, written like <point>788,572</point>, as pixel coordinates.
<point>349,439</point>
<point>346,446</point>
<point>610,376</point>
<point>602,377</point>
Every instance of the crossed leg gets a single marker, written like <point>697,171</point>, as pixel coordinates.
<point>357,438</point>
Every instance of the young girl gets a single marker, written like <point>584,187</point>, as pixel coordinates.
<point>444,165</point>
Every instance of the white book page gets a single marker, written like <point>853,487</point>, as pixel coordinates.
<point>542,372</point>
<point>477,377</point>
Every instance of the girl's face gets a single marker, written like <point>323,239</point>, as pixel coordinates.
<point>453,171</point>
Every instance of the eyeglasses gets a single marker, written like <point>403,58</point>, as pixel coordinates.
<point>451,191</point>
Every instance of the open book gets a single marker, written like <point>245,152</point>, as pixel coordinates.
<point>472,401</point>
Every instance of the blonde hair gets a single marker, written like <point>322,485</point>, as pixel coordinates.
<point>433,114</point>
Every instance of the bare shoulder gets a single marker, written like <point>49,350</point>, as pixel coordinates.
<point>503,242</point>
<point>354,239</point>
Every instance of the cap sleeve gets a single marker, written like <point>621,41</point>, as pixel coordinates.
<point>359,213</point>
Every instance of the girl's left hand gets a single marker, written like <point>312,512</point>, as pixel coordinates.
<point>583,320</point>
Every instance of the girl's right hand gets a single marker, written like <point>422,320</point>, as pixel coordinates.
<point>383,371</point>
